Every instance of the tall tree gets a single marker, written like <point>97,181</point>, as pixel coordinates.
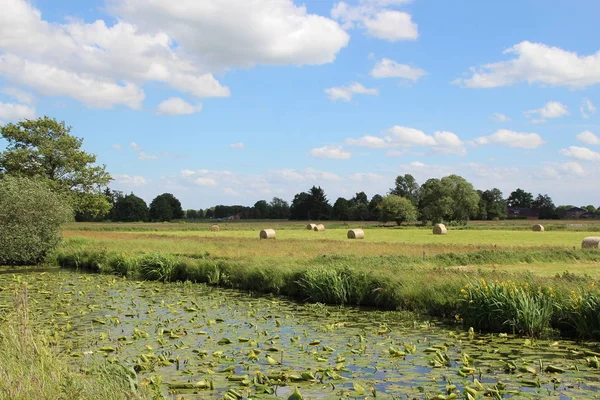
<point>406,186</point>
<point>360,198</point>
<point>451,199</point>
<point>191,214</point>
<point>165,207</point>
<point>374,207</point>
<point>494,203</point>
<point>544,206</point>
<point>396,208</point>
<point>340,209</point>
<point>261,209</point>
<point>280,209</point>
<point>311,205</point>
<point>131,209</point>
<point>44,149</point>
<point>519,199</point>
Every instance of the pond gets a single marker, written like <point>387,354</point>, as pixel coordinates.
<point>206,342</point>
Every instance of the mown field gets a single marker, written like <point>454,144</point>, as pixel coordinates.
<point>509,245</point>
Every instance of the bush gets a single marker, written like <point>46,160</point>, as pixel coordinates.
<point>30,218</point>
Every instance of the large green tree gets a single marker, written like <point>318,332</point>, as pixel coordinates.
<point>310,205</point>
<point>43,148</point>
<point>494,204</point>
<point>30,217</point>
<point>519,199</point>
<point>544,206</point>
<point>130,208</point>
<point>396,208</point>
<point>340,209</point>
<point>406,186</point>
<point>450,199</point>
<point>280,209</point>
<point>165,207</point>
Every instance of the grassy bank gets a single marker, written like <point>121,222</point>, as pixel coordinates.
<point>537,306</point>
<point>32,369</point>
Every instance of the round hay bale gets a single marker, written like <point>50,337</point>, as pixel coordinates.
<point>319,228</point>
<point>439,229</point>
<point>311,227</point>
<point>356,234</point>
<point>215,228</point>
<point>267,234</point>
<point>538,228</point>
<point>591,242</point>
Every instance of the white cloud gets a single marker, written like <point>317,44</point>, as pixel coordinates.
<point>537,63</point>
<point>588,138</point>
<point>117,147</point>
<point>128,180</point>
<point>552,109</point>
<point>230,192</point>
<point>205,181</point>
<point>14,112</point>
<point>372,142</point>
<point>573,167</point>
<point>587,108</point>
<point>386,68</point>
<point>238,145</point>
<point>499,117</point>
<point>141,155</point>
<point>177,106</point>
<point>366,177</point>
<point>512,139</point>
<point>401,136</point>
<point>334,152</point>
<point>19,95</point>
<point>379,21</point>
<point>345,93</point>
<point>309,175</point>
<point>417,164</point>
<point>580,153</point>
<point>179,44</point>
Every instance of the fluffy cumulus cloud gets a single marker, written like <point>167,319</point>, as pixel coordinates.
<point>401,136</point>
<point>180,44</point>
<point>587,108</point>
<point>128,180</point>
<point>14,112</point>
<point>504,137</point>
<point>141,155</point>
<point>499,117</point>
<point>20,95</point>
<point>238,145</point>
<point>580,153</point>
<point>378,19</point>
<point>386,68</point>
<point>540,64</point>
<point>345,93</point>
<point>177,106</point>
<point>334,152</point>
<point>588,138</point>
<point>552,109</point>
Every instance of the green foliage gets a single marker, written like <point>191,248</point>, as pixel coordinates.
<point>310,205</point>
<point>520,198</point>
<point>44,149</point>
<point>581,311</point>
<point>157,267</point>
<point>32,369</point>
<point>165,207</point>
<point>130,208</point>
<point>544,206</point>
<point>340,209</point>
<point>508,306</point>
<point>492,206</point>
<point>406,186</point>
<point>450,199</point>
<point>30,218</point>
<point>396,208</point>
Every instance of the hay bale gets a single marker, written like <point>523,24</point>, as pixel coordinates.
<point>439,229</point>
<point>311,227</point>
<point>538,228</point>
<point>591,242</point>
<point>319,228</point>
<point>215,228</point>
<point>267,234</point>
<point>356,234</point>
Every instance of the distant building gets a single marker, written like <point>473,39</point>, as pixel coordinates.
<point>575,213</point>
<point>523,213</point>
<point>590,215</point>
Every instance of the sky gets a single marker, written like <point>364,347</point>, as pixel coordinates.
<point>234,101</point>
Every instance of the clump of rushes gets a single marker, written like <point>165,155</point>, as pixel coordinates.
<point>581,311</point>
<point>501,306</point>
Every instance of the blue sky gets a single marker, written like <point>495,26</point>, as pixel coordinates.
<point>230,102</point>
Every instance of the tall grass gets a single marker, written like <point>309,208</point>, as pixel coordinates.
<point>31,369</point>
